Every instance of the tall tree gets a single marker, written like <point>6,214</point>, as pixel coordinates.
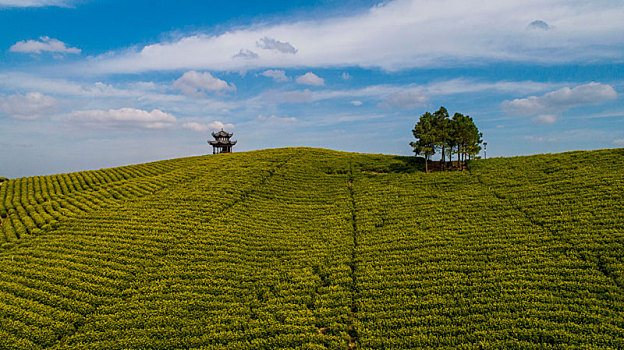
<point>425,133</point>
<point>442,126</point>
<point>466,136</point>
<point>459,135</point>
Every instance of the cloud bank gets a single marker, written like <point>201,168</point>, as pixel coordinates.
<point>399,34</point>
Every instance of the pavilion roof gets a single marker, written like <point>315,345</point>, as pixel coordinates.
<point>222,133</point>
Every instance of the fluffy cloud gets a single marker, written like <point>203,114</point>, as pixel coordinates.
<point>276,119</point>
<point>310,79</point>
<point>561,100</point>
<point>44,44</point>
<point>356,103</point>
<point>246,54</point>
<point>384,36</point>
<point>346,76</point>
<point>272,44</point>
<point>277,75</point>
<point>121,118</point>
<point>539,24</point>
<point>618,142</point>
<point>199,127</point>
<point>407,99</point>
<point>33,105</point>
<point>34,3</point>
<point>196,84</point>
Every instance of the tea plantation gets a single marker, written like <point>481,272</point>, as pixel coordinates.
<point>316,249</point>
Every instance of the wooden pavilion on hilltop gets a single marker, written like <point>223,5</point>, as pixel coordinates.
<point>222,142</point>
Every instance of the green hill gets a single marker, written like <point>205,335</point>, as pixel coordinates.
<point>311,248</point>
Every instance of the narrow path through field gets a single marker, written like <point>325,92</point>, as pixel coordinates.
<point>562,238</point>
<point>353,334</point>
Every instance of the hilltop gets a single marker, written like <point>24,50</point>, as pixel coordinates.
<point>312,248</point>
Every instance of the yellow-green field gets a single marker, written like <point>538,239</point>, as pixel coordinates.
<point>313,249</point>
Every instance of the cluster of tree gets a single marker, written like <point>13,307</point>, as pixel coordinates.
<point>437,131</point>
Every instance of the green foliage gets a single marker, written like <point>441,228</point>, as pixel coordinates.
<point>438,132</point>
<point>316,249</point>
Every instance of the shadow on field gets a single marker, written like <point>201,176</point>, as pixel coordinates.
<point>395,164</point>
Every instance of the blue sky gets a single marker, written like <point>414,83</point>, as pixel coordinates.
<point>95,83</point>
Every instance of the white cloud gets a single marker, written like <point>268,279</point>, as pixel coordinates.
<point>346,76</point>
<point>276,119</point>
<point>215,125</point>
<point>385,36</point>
<point>561,100</point>
<point>121,118</point>
<point>246,54</point>
<point>272,44</point>
<point>277,75</point>
<point>356,103</point>
<point>35,3</point>
<point>407,99</point>
<point>618,142</point>
<point>310,79</point>
<point>32,105</point>
<point>44,44</point>
<point>196,84</point>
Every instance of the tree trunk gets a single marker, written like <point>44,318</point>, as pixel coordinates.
<point>463,160</point>
<point>426,163</point>
<point>442,159</point>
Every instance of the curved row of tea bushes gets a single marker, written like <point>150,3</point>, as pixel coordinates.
<point>30,206</point>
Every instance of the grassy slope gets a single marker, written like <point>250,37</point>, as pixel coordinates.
<point>316,249</point>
